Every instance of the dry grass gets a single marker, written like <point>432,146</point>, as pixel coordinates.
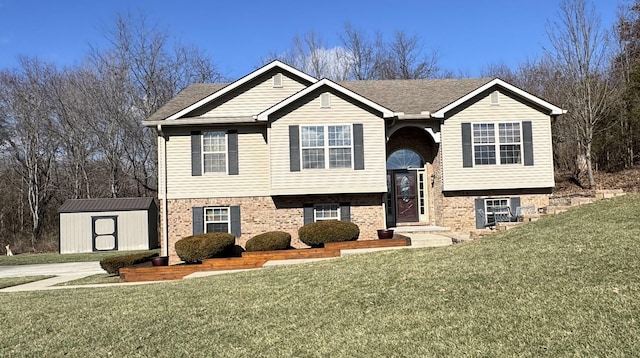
<point>568,285</point>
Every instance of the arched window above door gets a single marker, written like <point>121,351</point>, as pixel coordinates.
<point>404,159</point>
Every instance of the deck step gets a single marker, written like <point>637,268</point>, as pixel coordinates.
<point>230,263</point>
<point>367,244</point>
<point>292,254</point>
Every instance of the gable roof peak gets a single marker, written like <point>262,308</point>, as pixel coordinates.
<point>233,85</point>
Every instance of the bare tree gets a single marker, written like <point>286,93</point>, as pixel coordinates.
<point>580,51</point>
<point>310,54</point>
<point>136,75</point>
<point>29,124</point>
<point>363,53</point>
<point>405,60</point>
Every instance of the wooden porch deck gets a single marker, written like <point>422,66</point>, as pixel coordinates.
<point>250,260</point>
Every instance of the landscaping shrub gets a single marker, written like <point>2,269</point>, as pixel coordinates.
<point>113,264</point>
<point>272,240</point>
<point>204,246</point>
<point>318,233</point>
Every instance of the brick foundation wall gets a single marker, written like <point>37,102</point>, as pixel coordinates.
<point>262,214</point>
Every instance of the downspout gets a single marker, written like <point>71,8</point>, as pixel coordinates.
<point>165,221</point>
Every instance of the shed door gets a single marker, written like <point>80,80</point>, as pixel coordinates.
<point>105,233</point>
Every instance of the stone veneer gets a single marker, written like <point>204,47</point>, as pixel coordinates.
<point>263,214</point>
<point>458,211</point>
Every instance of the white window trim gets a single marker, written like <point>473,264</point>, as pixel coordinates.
<point>486,211</point>
<point>226,154</point>
<point>228,222</point>
<point>315,210</point>
<point>496,144</point>
<point>326,146</point>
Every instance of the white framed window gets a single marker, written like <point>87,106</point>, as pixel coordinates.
<point>214,152</point>
<point>327,146</point>
<point>326,212</point>
<point>277,80</point>
<point>507,148</point>
<point>217,219</point>
<point>510,143</point>
<point>497,210</point>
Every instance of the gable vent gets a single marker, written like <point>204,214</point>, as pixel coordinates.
<point>277,80</point>
<point>495,98</point>
<point>325,100</point>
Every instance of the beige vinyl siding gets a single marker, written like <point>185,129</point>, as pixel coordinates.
<point>328,181</point>
<point>255,99</point>
<point>512,176</point>
<point>76,233</point>
<point>253,166</point>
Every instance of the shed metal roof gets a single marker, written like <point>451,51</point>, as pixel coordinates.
<point>105,204</point>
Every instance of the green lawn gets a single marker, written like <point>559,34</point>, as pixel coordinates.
<point>568,285</point>
<point>15,281</point>
<point>52,257</point>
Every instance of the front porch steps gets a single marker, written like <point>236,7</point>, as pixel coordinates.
<point>428,235</point>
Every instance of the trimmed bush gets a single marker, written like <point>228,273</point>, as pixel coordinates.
<point>269,241</point>
<point>318,233</point>
<point>196,248</point>
<point>113,264</point>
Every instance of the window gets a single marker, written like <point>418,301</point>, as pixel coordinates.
<point>214,152</point>
<point>326,212</point>
<point>216,220</point>
<point>495,207</point>
<point>509,143</point>
<point>326,144</point>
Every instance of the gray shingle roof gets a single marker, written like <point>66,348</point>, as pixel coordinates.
<point>415,96</point>
<point>185,98</point>
<point>105,204</point>
<point>408,96</point>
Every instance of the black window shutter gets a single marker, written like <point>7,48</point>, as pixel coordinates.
<point>294,148</point>
<point>467,148</point>
<point>358,147</point>
<point>197,219</point>
<point>480,214</point>
<point>307,212</point>
<point>345,212</point>
<point>232,143</point>
<point>235,221</point>
<point>196,153</point>
<point>515,202</point>
<point>527,140</point>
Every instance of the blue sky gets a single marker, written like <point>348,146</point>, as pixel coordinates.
<point>468,34</point>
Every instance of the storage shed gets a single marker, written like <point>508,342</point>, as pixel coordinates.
<point>88,225</point>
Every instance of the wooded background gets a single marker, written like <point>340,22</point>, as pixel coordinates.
<point>75,132</point>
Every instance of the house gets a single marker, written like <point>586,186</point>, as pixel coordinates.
<point>278,148</point>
